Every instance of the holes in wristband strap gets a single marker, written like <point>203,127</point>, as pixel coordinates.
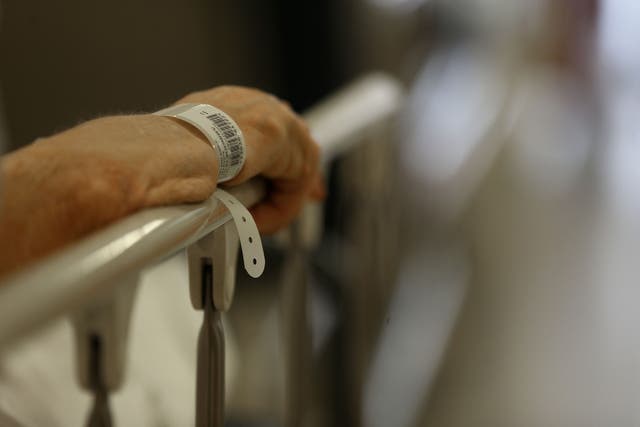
<point>250,242</point>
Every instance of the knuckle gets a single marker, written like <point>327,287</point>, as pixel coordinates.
<point>286,105</point>
<point>314,151</point>
<point>305,126</point>
<point>269,125</point>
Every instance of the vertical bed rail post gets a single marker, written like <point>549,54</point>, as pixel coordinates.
<point>212,268</point>
<point>304,235</point>
<point>101,335</point>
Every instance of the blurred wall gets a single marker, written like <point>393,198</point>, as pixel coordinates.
<point>64,62</point>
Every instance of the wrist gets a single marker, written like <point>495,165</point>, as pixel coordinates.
<point>181,130</point>
<point>222,132</point>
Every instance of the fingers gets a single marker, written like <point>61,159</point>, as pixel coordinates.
<point>294,176</point>
<point>318,191</point>
<point>276,212</point>
<point>284,201</point>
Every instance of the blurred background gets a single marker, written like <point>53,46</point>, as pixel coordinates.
<point>479,261</point>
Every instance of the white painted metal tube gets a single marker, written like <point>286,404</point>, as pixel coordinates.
<point>345,118</point>
<point>89,267</point>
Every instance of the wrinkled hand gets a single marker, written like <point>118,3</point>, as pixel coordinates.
<point>279,147</point>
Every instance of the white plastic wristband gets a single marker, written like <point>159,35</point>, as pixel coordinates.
<point>222,132</point>
<point>250,242</point>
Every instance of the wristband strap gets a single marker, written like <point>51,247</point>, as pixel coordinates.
<point>223,134</point>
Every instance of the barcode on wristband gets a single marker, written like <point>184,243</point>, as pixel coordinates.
<point>231,145</point>
<point>223,124</point>
<point>236,150</point>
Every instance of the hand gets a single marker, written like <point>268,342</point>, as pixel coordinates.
<point>279,147</point>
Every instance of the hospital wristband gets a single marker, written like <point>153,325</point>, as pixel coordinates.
<point>221,131</point>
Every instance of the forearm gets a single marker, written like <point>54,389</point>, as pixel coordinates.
<point>70,202</point>
<point>63,187</point>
